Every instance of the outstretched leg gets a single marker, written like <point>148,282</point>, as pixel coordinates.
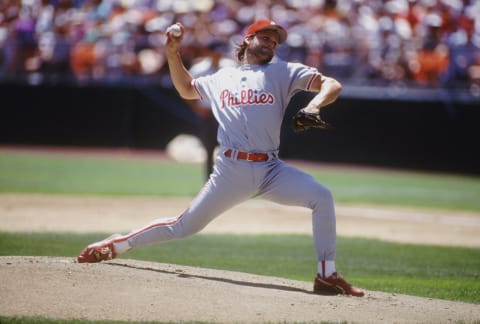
<point>288,185</point>
<point>229,185</point>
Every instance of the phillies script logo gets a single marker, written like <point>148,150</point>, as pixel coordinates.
<point>245,97</point>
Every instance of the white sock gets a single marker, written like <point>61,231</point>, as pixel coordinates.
<point>326,268</point>
<point>121,246</point>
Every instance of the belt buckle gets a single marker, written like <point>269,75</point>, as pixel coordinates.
<point>248,157</point>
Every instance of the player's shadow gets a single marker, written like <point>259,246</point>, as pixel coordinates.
<point>212,278</point>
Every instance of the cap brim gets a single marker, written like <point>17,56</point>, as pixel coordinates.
<point>282,33</point>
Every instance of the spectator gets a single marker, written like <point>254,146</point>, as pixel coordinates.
<point>84,60</point>
<point>20,48</point>
<point>431,61</point>
<point>464,54</point>
<point>55,54</point>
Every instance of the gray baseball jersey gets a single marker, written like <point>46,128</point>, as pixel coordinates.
<point>249,101</point>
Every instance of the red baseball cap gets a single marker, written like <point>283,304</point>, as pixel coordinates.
<point>266,24</point>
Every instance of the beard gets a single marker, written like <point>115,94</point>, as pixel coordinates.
<point>262,54</point>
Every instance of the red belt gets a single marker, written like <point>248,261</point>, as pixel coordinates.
<point>251,157</point>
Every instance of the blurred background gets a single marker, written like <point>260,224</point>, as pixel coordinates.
<point>94,73</point>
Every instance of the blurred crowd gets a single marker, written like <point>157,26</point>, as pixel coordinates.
<point>431,43</point>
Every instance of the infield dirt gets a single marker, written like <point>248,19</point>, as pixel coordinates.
<point>131,290</point>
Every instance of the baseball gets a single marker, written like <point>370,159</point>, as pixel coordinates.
<point>175,30</point>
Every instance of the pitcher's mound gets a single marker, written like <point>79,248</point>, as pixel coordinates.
<point>131,290</point>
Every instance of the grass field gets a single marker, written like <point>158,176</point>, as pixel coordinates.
<point>84,174</point>
<point>428,271</point>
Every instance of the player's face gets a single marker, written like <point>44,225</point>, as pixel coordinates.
<point>262,46</point>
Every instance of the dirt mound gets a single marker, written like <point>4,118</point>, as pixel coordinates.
<point>131,290</point>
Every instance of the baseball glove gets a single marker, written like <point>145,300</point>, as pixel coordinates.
<point>303,120</point>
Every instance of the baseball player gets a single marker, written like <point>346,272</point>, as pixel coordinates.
<point>249,103</point>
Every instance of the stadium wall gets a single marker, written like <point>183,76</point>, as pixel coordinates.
<point>421,130</point>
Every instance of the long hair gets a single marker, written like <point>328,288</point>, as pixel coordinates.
<point>240,51</point>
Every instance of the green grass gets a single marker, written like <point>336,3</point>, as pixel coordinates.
<point>35,172</point>
<point>427,271</point>
<point>402,188</point>
<point>38,172</point>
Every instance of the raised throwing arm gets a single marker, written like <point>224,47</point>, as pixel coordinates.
<point>181,78</point>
